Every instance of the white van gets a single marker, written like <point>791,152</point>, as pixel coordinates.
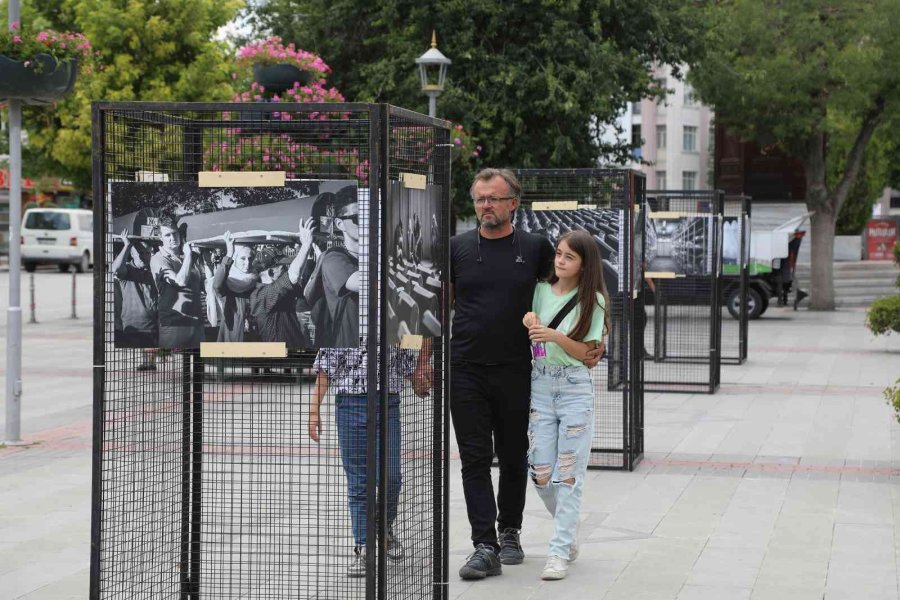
<point>58,236</point>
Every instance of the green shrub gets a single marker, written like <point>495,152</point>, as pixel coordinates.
<point>884,315</point>
<point>897,256</point>
<point>892,395</point>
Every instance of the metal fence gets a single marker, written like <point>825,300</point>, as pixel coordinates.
<point>606,201</point>
<point>735,279</point>
<point>682,266</point>
<point>206,480</point>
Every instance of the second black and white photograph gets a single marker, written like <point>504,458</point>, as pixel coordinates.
<point>679,244</point>
<point>273,264</point>
<point>414,274</point>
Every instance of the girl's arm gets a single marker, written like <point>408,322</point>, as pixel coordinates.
<point>319,391</point>
<point>577,350</point>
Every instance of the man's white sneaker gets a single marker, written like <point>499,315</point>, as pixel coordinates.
<point>555,569</point>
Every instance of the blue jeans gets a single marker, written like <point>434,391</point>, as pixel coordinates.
<point>351,418</point>
<point>560,430</point>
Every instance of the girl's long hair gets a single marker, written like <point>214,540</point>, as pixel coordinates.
<point>589,284</point>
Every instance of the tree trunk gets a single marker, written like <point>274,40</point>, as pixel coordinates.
<point>822,259</point>
<point>823,226</point>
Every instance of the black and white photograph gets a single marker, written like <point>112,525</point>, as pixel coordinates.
<point>680,244</point>
<point>268,264</point>
<point>414,274</point>
<point>605,226</point>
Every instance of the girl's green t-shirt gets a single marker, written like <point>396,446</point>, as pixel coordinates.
<point>547,304</point>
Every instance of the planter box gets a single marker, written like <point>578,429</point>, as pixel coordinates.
<point>277,79</point>
<point>45,84</point>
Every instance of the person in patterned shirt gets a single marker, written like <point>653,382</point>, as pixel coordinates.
<point>345,371</point>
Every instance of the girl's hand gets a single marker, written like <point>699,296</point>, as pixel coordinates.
<point>540,333</point>
<point>315,426</point>
<point>531,319</point>
<point>124,237</point>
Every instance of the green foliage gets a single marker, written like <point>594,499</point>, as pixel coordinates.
<point>777,72</point>
<point>857,208</point>
<point>892,395</point>
<point>884,316</point>
<point>533,81</point>
<point>159,51</point>
<point>897,255</point>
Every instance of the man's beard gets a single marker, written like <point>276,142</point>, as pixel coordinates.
<point>496,224</point>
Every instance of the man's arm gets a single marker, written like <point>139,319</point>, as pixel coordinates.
<point>184,273</point>
<point>118,264</point>
<point>305,233</point>
<point>221,277</point>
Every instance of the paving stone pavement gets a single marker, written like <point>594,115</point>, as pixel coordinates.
<point>783,485</point>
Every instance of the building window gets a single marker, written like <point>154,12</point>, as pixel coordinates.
<point>689,180</point>
<point>690,98</point>
<point>636,108</point>
<point>690,139</point>
<point>660,180</point>
<point>660,136</point>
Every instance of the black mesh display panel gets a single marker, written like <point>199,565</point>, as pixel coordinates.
<point>735,279</point>
<point>608,202</point>
<point>682,266</point>
<point>207,482</point>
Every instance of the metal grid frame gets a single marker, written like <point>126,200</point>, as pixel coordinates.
<point>618,441</point>
<point>683,339</point>
<point>204,484</point>
<point>735,332</point>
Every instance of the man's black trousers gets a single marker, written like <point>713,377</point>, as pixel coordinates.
<point>489,407</point>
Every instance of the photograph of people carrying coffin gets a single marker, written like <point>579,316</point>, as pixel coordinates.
<point>267,264</point>
<point>414,279</point>
<point>604,225</point>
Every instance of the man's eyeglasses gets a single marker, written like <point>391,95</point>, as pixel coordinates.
<point>481,200</point>
<point>354,218</point>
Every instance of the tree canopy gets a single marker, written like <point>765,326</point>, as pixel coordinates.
<point>533,81</point>
<point>813,78</point>
<point>161,51</point>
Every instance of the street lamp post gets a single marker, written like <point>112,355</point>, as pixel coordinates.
<point>433,73</point>
<point>13,435</point>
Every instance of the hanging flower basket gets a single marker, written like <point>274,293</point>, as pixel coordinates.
<point>279,78</point>
<point>41,80</point>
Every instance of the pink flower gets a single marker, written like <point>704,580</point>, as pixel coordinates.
<point>457,141</point>
<point>14,25</point>
<point>234,76</point>
<point>16,39</point>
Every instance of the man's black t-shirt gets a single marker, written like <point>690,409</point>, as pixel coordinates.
<point>492,296</point>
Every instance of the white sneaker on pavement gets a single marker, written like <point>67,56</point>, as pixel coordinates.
<point>555,569</point>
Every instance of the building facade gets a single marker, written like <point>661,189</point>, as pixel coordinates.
<point>675,147</point>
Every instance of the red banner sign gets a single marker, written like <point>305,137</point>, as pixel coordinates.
<point>881,235</point>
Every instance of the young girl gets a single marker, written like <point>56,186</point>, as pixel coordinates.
<point>561,423</point>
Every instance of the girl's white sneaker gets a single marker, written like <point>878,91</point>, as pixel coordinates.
<point>555,569</point>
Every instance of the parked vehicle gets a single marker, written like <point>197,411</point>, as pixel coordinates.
<point>60,236</point>
<point>773,256</point>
